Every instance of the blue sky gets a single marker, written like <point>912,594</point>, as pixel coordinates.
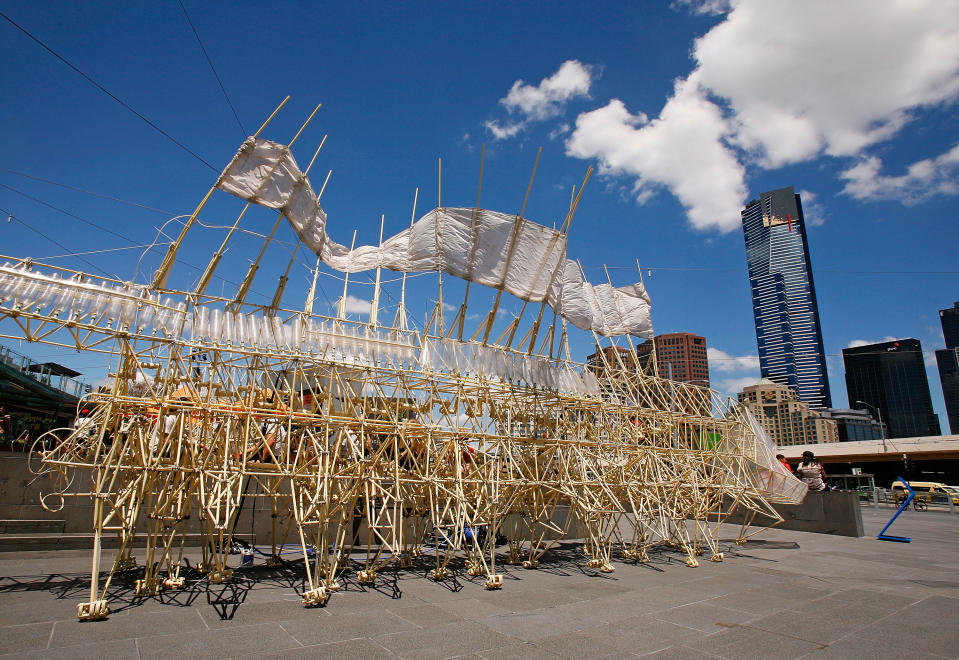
<point>687,110</point>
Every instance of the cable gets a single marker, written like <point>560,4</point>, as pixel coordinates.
<point>107,92</point>
<point>86,192</point>
<point>77,254</point>
<point>213,69</point>
<point>67,213</point>
<point>60,245</point>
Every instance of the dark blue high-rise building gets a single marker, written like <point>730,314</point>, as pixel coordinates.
<point>948,360</point>
<point>788,334</point>
<point>891,376</point>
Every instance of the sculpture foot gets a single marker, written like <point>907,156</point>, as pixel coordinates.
<point>96,610</point>
<point>315,597</point>
<point>493,582</point>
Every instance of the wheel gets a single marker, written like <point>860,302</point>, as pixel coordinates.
<point>921,506</point>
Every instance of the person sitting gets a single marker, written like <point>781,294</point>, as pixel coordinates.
<point>812,473</point>
<point>784,462</point>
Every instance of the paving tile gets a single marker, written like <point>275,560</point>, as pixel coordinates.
<point>338,627</point>
<point>25,637</point>
<point>579,644</point>
<point>645,634</point>
<point>532,625</point>
<point>704,616</point>
<point>929,626</point>
<point>680,653</point>
<point>242,640</point>
<point>120,648</point>
<point>36,606</point>
<point>820,627</point>
<point>518,599</point>
<point>350,649</point>
<point>745,643</point>
<point>126,625</point>
<point>425,615</point>
<point>444,641</point>
<point>518,651</point>
<point>472,608</point>
<point>769,599</point>
<point>288,609</point>
<point>859,648</point>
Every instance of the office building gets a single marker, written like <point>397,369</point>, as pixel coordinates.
<point>786,419</point>
<point>788,334</point>
<point>948,361</point>
<point>855,424</point>
<point>949,318</point>
<point>891,377</point>
<point>615,358</point>
<point>680,356</point>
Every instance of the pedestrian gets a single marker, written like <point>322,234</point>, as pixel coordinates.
<point>812,473</point>
<point>785,464</point>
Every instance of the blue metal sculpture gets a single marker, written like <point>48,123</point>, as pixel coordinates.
<point>909,498</point>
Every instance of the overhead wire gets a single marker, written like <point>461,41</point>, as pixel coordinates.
<point>106,91</point>
<point>67,213</point>
<point>11,216</point>
<point>86,192</point>
<point>213,69</point>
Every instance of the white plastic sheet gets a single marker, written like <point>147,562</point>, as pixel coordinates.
<point>495,249</point>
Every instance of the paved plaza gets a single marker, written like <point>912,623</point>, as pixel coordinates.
<point>784,595</point>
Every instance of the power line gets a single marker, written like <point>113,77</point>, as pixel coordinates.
<point>107,92</point>
<point>213,69</point>
<point>10,216</point>
<point>86,192</point>
<point>67,213</point>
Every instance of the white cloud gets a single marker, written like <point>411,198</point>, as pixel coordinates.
<point>780,82</point>
<point>733,386</point>
<point>813,211</point>
<point>801,77</point>
<point>543,101</point>
<point>856,343</point>
<point>922,180</point>
<point>704,7</point>
<point>547,99</point>
<point>683,150</point>
<point>355,305</point>
<point>720,360</point>
<point>504,131</point>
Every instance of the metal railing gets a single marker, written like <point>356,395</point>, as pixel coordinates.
<point>23,364</point>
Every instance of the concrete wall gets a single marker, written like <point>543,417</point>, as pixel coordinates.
<point>834,512</point>
<point>20,500</point>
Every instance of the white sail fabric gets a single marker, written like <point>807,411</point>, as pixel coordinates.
<point>495,249</point>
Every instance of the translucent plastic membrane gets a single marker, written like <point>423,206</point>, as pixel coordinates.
<point>138,310</point>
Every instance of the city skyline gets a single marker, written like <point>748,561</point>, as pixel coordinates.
<point>686,110</point>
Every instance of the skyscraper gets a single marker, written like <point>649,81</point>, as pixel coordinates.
<point>891,376</point>
<point>948,361</point>
<point>680,356</point>
<point>788,334</point>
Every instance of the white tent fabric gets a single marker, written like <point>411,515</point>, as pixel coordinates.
<point>495,249</point>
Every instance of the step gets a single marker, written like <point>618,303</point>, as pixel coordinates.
<point>81,541</point>
<point>21,526</point>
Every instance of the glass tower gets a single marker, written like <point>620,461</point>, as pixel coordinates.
<point>891,376</point>
<point>788,334</point>
<point>948,360</point>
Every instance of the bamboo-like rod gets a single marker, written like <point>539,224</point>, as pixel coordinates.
<point>159,280</point>
<point>341,307</point>
<point>375,303</point>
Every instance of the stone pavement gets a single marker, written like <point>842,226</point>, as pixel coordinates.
<point>786,595</point>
